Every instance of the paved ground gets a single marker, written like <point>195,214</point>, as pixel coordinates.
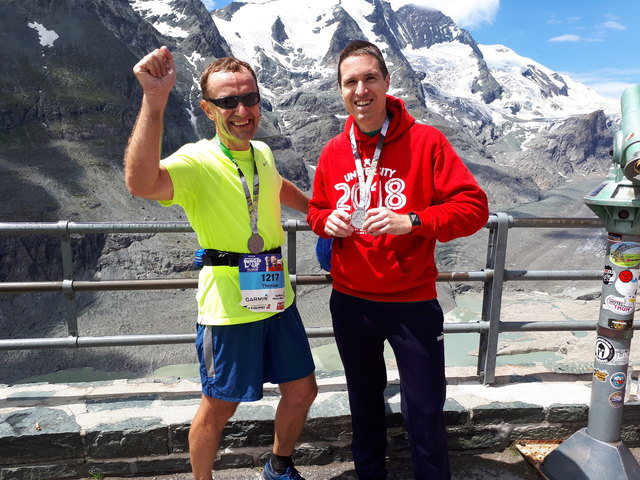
<point>507,465</point>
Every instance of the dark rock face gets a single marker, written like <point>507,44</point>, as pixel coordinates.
<point>568,149</point>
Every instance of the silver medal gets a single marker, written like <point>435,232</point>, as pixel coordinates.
<point>357,218</point>
<point>255,243</point>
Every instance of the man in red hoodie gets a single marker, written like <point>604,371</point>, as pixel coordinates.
<point>385,190</point>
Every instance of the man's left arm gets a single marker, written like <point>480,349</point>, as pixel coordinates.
<point>292,197</point>
<point>461,207</point>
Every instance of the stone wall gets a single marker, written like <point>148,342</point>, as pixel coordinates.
<point>129,427</point>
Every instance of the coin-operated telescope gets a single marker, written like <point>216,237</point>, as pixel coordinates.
<point>617,199</point>
<point>597,452</point>
<point>626,143</point>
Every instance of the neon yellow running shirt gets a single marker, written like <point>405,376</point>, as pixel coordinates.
<point>207,186</point>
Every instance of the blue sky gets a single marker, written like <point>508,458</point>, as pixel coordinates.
<point>594,41</point>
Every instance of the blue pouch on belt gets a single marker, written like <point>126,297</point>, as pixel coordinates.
<point>323,252</point>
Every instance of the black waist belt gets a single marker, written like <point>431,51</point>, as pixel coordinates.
<point>216,258</point>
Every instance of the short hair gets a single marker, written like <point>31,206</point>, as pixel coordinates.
<point>225,64</point>
<point>359,48</point>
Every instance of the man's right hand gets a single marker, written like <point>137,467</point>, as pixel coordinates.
<point>338,224</point>
<point>156,73</point>
<point>143,174</point>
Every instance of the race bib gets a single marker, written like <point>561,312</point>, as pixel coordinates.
<point>262,282</point>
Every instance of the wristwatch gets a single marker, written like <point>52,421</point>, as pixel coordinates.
<point>415,221</point>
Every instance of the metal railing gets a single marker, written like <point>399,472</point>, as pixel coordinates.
<point>493,276</point>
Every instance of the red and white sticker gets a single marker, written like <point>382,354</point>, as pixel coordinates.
<point>619,305</point>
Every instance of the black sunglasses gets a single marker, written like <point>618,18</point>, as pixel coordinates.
<point>229,103</point>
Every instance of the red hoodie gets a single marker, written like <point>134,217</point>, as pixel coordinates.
<point>418,171</point>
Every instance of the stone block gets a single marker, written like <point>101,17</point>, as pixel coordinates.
<point>631,412</point>
<point>57,470</point>
<point>162,465</point>
<point>247,433</point>
<point>470,439</point>
<point>179,438</point>
<point>630,434</point>
<point>511,412</point>
<point>397,440</point>
<point>327,429</point>
<point>52,433</point>
<point>544,432</point>
<point>119,403</point>
<point>135,437</point>
<point>562,413</point>
<point>306,454</point>
<point>252,412</point>
<point>234,460</point>
<point>454,413</point>
<point>335,405</point>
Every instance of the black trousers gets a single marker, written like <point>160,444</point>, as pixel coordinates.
<point>414,331</point>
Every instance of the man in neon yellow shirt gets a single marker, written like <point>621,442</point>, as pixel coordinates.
<point>249,331</point>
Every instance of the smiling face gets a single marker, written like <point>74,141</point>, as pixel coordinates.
<point>364,87</point>
<point>237,126</point>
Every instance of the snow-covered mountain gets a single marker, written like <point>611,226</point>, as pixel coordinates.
<point>493,104</point>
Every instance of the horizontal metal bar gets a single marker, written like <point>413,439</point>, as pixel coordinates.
<point>542,326</point>
<point>313,279</point>
<point>466,327</point>
<point>64,227</point>
<point>553,222</point>
<point>67,227</point>
<point>102,285</point>
<point>312,332</point>
<point>120,340</point>
<point>547,222</point>
<point>482,276</point>
<point>321,279</point>
<point>553,275</point>
<point>157,284</point>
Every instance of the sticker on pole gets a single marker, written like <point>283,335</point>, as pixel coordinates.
<point>609,275</point>
<point>618,380</point>
<point>614,237</point>
<point>604,350</point>
<point>619,305</point>
<point>600,375</point>
<point>625,254</point>
<point>616,399</point>
<point>607,354</point>
<point>615,324</point>
<point>627,283</point>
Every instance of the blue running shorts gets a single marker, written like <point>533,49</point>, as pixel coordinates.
<point>236,360</point>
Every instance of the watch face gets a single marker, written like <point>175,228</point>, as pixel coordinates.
<point>415,219</point>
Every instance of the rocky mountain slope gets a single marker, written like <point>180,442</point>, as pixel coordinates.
<point>68,101</point>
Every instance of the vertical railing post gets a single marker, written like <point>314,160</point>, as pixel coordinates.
<point>71,305</point>
<point>292,227</point>
<point>492,298</point>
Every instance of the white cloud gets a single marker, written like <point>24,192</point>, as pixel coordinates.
<point>563,21</point>
<point>611,25</point>
<point>466,14</point>
<point>569,37</point>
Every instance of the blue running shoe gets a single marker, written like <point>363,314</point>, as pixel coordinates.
<point>269,474</point>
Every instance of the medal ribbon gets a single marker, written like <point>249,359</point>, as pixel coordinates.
<point>365,185</point>
<point>252,204</point>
